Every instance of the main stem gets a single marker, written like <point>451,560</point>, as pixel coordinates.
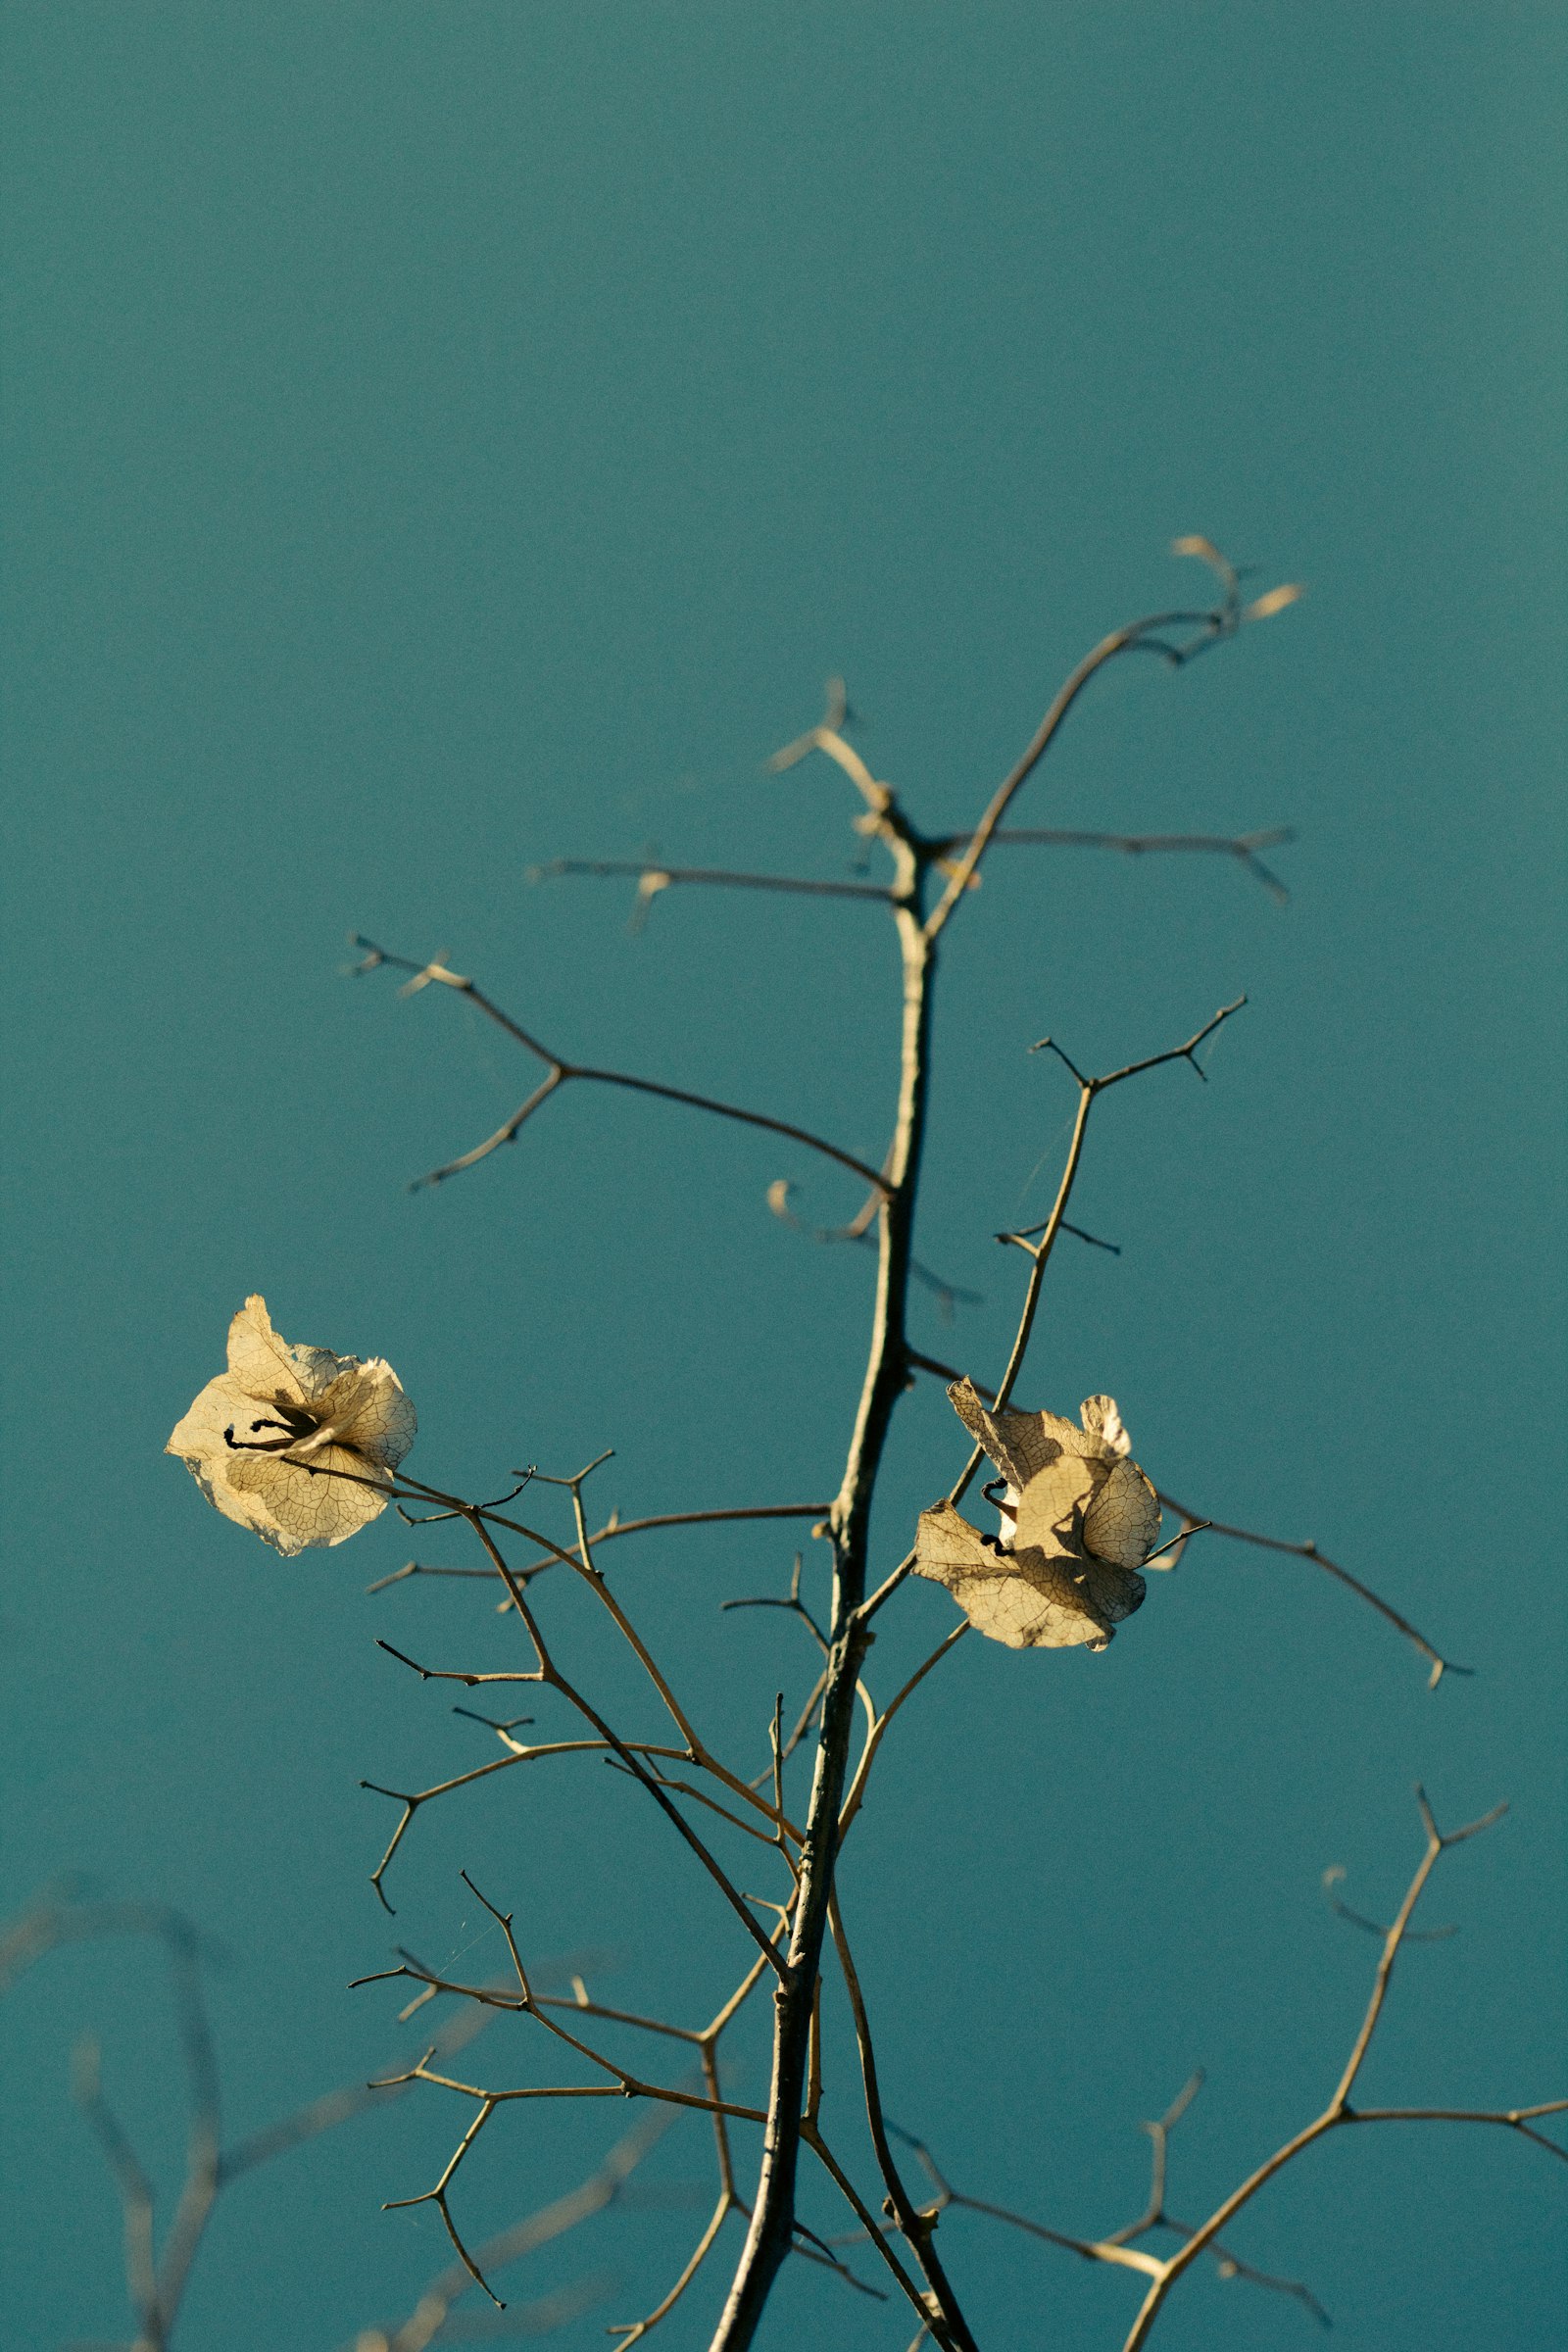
<point>769,2236</point>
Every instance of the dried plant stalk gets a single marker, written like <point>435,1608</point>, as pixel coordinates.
<point>1077,1503</point>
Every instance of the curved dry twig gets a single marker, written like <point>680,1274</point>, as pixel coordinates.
<point>1151,634</point>
<point>561,1072</point>
<point>1117,2248</point>
<point>1243,847</point>
<point>1441,1665</point>
<point>1338,2111</point>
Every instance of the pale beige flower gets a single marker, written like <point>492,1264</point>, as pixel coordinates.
<point>1078,1517</point>
<point>282,1439</point>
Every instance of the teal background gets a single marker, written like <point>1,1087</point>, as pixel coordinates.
<point>442,438</point>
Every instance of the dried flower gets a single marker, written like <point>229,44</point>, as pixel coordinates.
<point>282,1441</point>
<point>1078,1520</point>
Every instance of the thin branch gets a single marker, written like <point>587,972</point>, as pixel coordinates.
<point>412,1800</point>
<point>1150,633</point>
<point>1338,2110</point>
<point>918,2228</point>
<point>878,1731</point>
<point>828,737</point>
<point>1039,1253</point>
<point>813,2138</point>
<point>1089,1092</point>
<point>634,2331</point>
<point>340,2106</point>
<point>562,1072</point>
<point>1243,847</point>
<point>634,2087</point>
<point>477,1515</point>
<point>1310,1551</point>
<point>601,2189</point>
<point>549,1673</point>
<point>613,1526</point>
<point>1516,2118</point>
<point>654,878</point>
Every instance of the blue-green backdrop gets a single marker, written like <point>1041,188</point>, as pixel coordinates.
<point>439,438</point>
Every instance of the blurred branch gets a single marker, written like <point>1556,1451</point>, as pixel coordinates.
<point>1243,847</point>
<point>155,2286</point>
<point>654,879</point>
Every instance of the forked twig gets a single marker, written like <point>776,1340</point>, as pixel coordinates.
<point>562,1072</point>
<point>1339,2111</point>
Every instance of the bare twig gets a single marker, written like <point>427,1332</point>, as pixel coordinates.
<point>562,1072</point>
<point>654,878</point>
<point>1243,847</point>
<point>1201,629</point>
<point>1310,1551</point>
<point>1338,2110</point>
<point>1039,1252</point>
<point>613,1527</point>
<point>917,2228</point>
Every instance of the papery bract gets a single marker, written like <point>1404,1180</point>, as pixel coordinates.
<point>295,1442</point>
<point>1079,1520</point>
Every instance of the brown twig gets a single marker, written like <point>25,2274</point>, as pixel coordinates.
<point>615,1526</point>
<point>1039,1252</point>
<point>549,1673</point>
<point>1243,847</point>
<point>946,2321</point>
<point>1310,1551</point>
<point>654,878</point>
<point>1116,2248</point>
<point>561,1072</point>
<point>1338,2110</point>
<point>1204,628</point>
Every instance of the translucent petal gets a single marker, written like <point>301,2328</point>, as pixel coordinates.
<point>366,1408</point>
<point>1025,1599</point>
<point>1052,1506</point>
<point>1102,1421</point>
<point>1122,1523</point>
<point>298,1505</point>
<point>1019,1443</point>
<point>199,1442</point>
<point>267,1366</point>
